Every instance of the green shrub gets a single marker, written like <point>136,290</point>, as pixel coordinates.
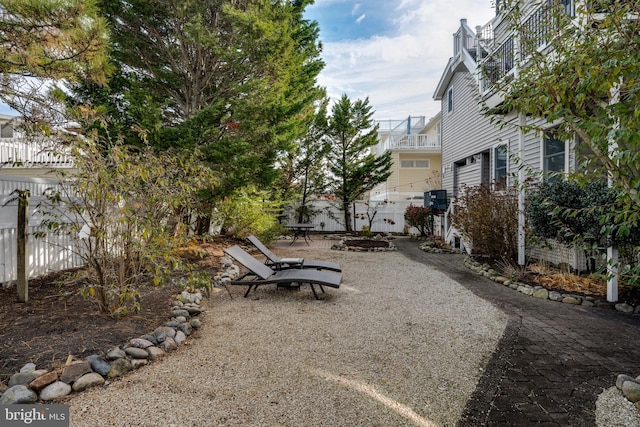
<point>248,211</point>
<point>579,214</point>
<point>121,211</point>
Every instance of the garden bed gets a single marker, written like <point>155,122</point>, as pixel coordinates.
<point>364,245</point>
<point>58,322</point>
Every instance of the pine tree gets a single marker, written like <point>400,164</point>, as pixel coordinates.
<point>355,169</point>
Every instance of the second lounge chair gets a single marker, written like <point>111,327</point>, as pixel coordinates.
<point>277,263</point>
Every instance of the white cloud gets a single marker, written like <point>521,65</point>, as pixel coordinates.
<point>399,73</point>
<point>360,18</point>
<point>356,8</point>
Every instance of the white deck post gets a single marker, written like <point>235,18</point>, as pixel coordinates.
<point>612,270</point>
<point>521,196</point>
<point>612,252</point>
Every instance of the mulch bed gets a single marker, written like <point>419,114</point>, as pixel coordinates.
<point>58,322</point>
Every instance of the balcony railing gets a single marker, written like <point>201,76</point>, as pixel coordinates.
<point>401,127</point>
<point>16,152</point>
<point>538,28</point>
<point>498,65</point>
<point>410,142</point>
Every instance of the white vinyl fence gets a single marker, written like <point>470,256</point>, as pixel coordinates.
<point>46,254</point>
<point>389,217</point>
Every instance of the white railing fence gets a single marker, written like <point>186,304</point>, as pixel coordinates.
<point>389,217</point>
<point>22,152</point>
<point>410,142</point>
<point>48,254</point>
<point>36,186</point>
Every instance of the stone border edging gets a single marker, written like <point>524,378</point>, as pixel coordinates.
<point>340,246</point>
<point>31,385</point>
<point>630,388</point>
<point>543,293</point>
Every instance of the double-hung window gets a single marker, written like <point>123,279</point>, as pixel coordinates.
<point>500,165</point>
<point>553,155</point>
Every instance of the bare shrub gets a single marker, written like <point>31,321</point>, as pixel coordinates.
<point>489,220</point>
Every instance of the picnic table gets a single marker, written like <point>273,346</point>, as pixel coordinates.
<point>300,230</point>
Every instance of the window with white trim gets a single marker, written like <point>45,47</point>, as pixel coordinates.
<point>553,154</point>
<point>450,100</point>
<point>414,164</point>
<point>500,165</point>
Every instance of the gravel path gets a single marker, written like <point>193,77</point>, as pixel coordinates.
<point>397,344</point>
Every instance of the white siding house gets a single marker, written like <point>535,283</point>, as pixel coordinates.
<point>475,150</point>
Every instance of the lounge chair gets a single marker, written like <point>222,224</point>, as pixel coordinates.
<point>277,263</point>
<point>260,274</point>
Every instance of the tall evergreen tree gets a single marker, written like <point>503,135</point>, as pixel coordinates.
<point>303,168</point>
<point>354,167</point>
<point>237,79</point>
<point>48,40</point>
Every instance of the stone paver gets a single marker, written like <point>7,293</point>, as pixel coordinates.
<point>553,360</point>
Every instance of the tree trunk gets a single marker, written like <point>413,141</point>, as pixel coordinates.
<point>346,206</point>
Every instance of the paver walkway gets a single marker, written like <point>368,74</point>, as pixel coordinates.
<point>553,360</point>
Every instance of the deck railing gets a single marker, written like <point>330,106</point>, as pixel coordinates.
<point>17,152</point>
<point>497,65</point>
<point>410,142</point>
<point>464,38</point>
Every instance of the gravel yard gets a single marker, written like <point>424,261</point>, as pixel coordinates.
<point>397,344</point>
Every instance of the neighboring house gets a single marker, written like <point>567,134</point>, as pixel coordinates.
<point>415,146</point>
<point>476,151</point>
